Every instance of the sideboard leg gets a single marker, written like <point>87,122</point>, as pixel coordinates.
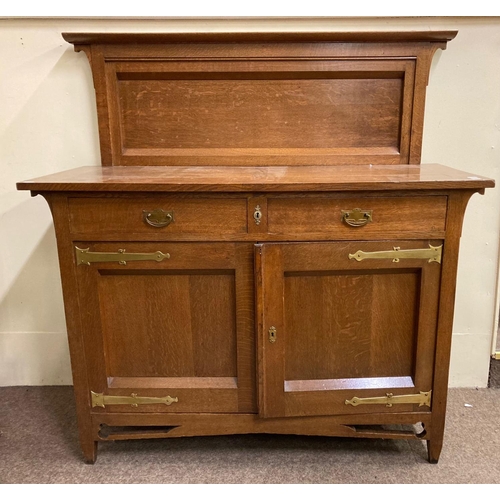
<point>434,447</point>
<point>89,449</point>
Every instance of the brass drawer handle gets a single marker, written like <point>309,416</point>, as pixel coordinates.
<point>158,217</point>
<point>356,217</point>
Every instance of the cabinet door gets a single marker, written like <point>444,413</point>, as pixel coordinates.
<point>334,330</point>
<point>168,332</point>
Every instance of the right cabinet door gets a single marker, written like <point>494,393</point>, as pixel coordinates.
<point>346,327</point>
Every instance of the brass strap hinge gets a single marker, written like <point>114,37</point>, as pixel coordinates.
<point>100,399</point>
<point>433,254</point>
<point>83,256</point>
<point>424,398</point>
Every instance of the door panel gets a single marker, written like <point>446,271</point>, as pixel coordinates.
<point>366,322</point>
<point>195,314</point>
<point>344,328</point>
<point>176,327</point>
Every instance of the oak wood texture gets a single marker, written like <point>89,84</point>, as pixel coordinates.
<point>297,127</point>
<point>398,356</point>
<point>214,217</point>
<point>171,327</point>
<point>200,215</point>
<point>252,99</point>
<point>85,39</point>
<point>79,364</point>
<point>457,203</point>
<point>344,328</point>
<point>151,425</point>
<point>395,214</point>
<point>259,179</point>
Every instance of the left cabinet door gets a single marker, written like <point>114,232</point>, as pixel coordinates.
<point>167,327</point>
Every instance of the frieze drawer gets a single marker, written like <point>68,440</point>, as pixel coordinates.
<point>158,216</point>
<point>357,217</point>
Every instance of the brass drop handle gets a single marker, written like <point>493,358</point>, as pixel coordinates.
<point>158,217</point>
<point>356,217</point>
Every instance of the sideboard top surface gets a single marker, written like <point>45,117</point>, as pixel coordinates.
<point>266,179</point>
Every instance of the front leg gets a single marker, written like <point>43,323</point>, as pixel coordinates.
<point>434,447</point>
<point>89,449</point>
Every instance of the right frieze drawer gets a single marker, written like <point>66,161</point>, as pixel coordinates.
<point>358,217</point>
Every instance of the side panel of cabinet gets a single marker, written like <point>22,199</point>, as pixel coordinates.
<point>332,328</point>
<point>181,327</point>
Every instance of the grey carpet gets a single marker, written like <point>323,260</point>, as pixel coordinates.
<point>38,444</point>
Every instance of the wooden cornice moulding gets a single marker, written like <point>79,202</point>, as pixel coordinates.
<point>260,98</point>
<point>259,37</point>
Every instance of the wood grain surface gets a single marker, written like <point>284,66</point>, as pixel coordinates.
<point>264,36</point>
<point>253,98</point>
<point>261,179</point>
<point>171,327</point>
<point>344,328</point>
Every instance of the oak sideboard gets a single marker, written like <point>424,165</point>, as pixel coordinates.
<point>261,250</point>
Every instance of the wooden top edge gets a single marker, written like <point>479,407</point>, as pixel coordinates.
<point>264,179</point>
<point>259,36</point>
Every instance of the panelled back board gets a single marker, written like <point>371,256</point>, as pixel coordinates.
<point>260,98</point>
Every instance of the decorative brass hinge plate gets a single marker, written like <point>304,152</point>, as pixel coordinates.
<point>83,256</point>
<point>433,254</point>
<point>100,399</point>
<point>424,398</point>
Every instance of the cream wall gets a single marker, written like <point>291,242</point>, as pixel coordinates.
<point>48,123</point>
